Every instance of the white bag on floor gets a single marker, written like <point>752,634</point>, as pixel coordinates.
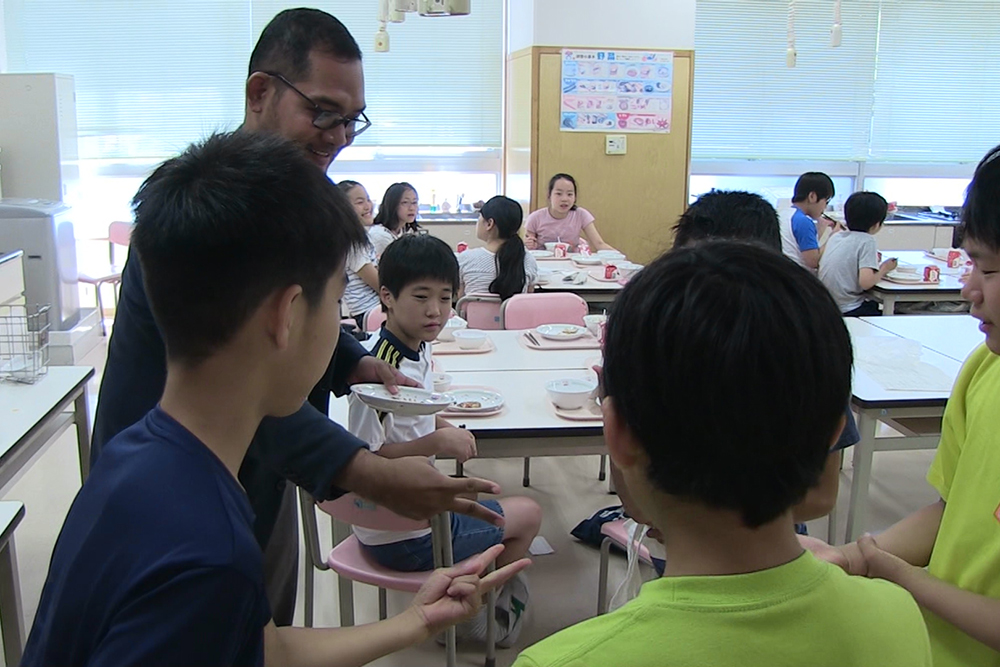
<point>629,588</point>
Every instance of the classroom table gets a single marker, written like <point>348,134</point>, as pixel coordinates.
<point>511,355</point>
<point>953,336</point>
<point>592,291</point>
<point>11,613</point>
<point>32,415</point>
<point>890,293</point>
<point>876,404</point>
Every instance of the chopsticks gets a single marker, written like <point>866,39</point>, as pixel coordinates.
<point>532,338</point>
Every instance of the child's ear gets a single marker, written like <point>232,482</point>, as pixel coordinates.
<point>284,315</point>
<point>622,446</point>
<point>385,296</point>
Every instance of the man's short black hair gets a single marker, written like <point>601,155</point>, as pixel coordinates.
<point>729,214</point>
<point>731,365</point>
<point>226,223</point>
<point>286,42</point>
<point>981,212</point>
<point>414,257</point>
<point>813,181</point>
<point>865,210</point>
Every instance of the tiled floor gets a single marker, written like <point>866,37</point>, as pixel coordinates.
<point>563,585</point>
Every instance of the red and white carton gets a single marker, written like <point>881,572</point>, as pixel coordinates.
<point>610,271</point>
<point>878,253</point>
<point>932,274</point>
<point>462,246</point>
<point>561,250</point>
<point>583,247</point>
<point>955,260</point>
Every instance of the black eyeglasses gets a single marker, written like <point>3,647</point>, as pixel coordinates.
<point>327,120</point>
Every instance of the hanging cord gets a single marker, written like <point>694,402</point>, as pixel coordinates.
<point>790,53</point>
<point>836,33</point>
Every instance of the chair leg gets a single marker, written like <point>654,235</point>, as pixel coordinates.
<point>450,643</point>
<point>459,469</point>
<point>382,605</point>
<point>491,623</point>
<point>526,480</point>
<point>603,473</point>
<point>100,308</point>
<point>310,592</point>
<point>602,577</point>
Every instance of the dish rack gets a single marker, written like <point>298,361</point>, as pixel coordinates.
<point>24,343</point>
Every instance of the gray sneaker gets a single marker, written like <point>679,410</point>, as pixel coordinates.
<point>512,610</point>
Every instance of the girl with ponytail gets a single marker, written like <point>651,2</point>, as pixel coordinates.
<point>503,267</point>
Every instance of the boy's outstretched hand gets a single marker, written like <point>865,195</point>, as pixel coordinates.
<point>455,594</point>
<point>370,369</point>
<point>881,564</point>
<point>852,561</point>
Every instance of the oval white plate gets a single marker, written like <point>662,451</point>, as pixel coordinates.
<point>488,401</point>
<point>410,402</point>
<point>561,331</point>
<point>898,277</point>
<point>541,253</point>
<point>586,260</point>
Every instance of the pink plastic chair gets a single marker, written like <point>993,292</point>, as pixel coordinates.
<point>614,534</point>
<point>349,560</point>
<point>374,319</point>
<point>480,310</point>
<point>527,311</point>
<point>119,234</point>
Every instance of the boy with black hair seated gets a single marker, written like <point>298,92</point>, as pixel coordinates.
<point>418,277</point>
<point>800,237</point>
<point>243,244</point>
<point>747,359</point>
<point>850,265</point>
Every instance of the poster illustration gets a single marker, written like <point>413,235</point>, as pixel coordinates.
<point>616,91</point>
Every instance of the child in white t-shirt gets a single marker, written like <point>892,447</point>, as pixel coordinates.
<point>503,267</point>
<point>361,292</point>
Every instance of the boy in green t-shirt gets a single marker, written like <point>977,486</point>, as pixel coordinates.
<point>726,369</point>
<point>957,539</point>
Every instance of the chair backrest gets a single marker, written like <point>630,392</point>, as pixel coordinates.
<point>374,319</point>
<point>120,233</point>
<point>527,311</point>
<point>481,311</point>
<point>357,511</point>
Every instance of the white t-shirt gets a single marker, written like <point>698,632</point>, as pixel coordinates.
<point>358,295</point>
<point>381,237</point>
<point>378,428</point>
<point>798,235</point>
<point>478,268</point>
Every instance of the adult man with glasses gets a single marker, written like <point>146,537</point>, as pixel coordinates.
<point>306,84</point>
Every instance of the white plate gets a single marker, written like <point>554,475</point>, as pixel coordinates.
<point>489,401</point>
<point>561,331</point>
<point>896,276</point>
<point>541,253</point>
<point>586,260</point>
<point>410,402</point>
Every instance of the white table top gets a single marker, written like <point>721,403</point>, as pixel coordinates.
<point>24,406</point>
<point>566,266</point>
<point>954,336</point>
<point>510,355</point>
<point>527,408</point>
<point>949,277</point>
<point>868,392</point>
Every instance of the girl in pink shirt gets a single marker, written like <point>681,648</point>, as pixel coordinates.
<point>563,220</point>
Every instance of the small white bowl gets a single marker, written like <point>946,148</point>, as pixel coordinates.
<point>442,382</point>
<point>470,339</point>
<point>593,323</point>
<point>628,269</point>
<point>570,394</point>
<point>447,334</point>
<point>612,258</point>
<point>551,245</point>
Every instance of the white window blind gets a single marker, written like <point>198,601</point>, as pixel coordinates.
<point>937,93</point>
<point>913,82</point>
<point>749,105</point>
<point>153,77</point>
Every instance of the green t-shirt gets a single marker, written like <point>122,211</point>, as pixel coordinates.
<point>805,612</point>
<point>966,472</point>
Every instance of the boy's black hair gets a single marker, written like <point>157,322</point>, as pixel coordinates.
<point>226,223</point>
<point>865,210</point>
<point>981,212</point>
<point>507,214</point>
<point>813,181</point>
<point>388,210</point>
<point>564,177</point>
<point>288,39</point>
<point>731,365</point>
<point>729,214</point>
<point>417,257</point>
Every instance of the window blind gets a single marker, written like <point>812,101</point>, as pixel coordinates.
<point>152,77</point>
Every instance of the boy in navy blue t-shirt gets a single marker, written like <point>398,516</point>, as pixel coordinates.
<point>242,243</point>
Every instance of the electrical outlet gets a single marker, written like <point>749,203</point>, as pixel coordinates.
<point>615,144</point>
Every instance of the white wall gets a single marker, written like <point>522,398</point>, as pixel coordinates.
<point>3,42</point>
<point>654,24</point>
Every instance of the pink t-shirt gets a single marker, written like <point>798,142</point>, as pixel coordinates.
<point>549,229</point>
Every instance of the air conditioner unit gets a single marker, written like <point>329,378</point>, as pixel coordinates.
<point>445,7</point>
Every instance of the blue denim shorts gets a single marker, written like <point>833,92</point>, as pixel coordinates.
<point>469,537</point>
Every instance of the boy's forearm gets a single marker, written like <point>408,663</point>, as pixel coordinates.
<point>912,539</point>
<point>975,615</point>
<point>341,647</point>
<point>425,446</point>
